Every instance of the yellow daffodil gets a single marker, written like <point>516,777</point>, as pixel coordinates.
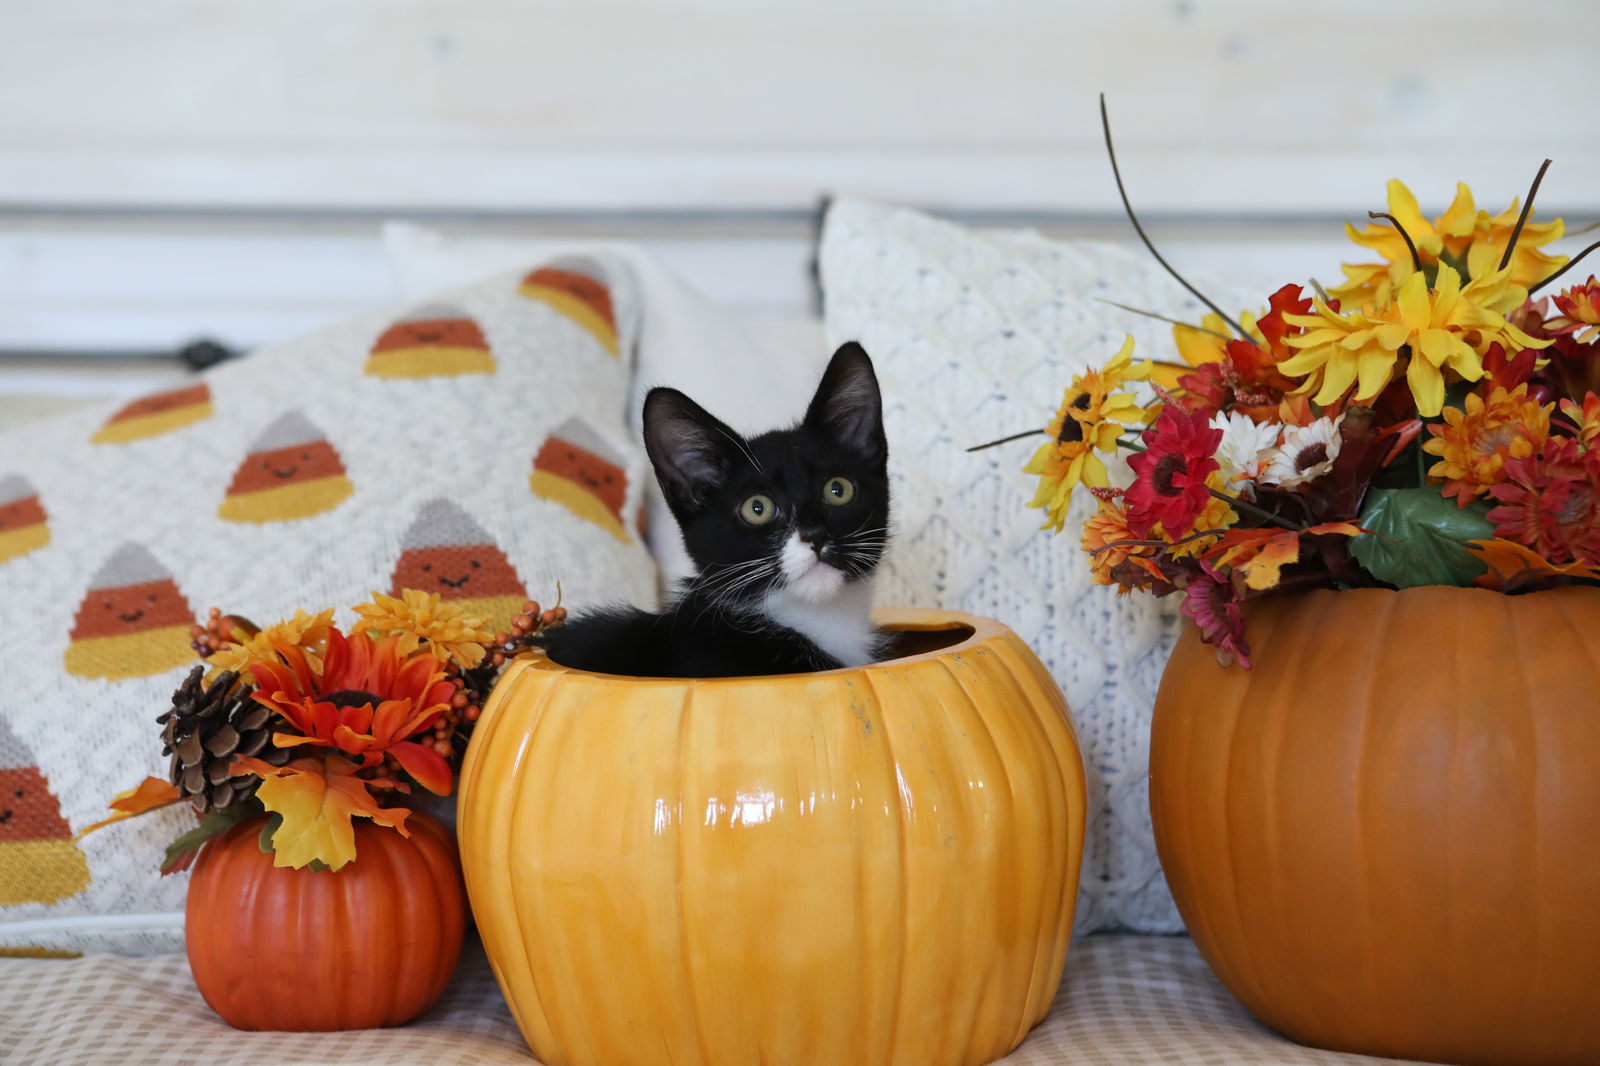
<point>1465,238</point>
<point>1447,328</point>
<point>1093,414</point>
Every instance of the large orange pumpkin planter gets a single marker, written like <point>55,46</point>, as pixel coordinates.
<point>1386,837</point>
<point>858,867</point>
<point>370,945</point>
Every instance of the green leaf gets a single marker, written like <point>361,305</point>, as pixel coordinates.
<point>1417,537</point>
<point>265,840</point>
<point>183,850</point>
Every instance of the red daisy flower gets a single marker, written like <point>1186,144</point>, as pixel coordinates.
<point>1551,503</point>
<point>366,701</point>
<point>1170,489</point>
<point>1211,600</point>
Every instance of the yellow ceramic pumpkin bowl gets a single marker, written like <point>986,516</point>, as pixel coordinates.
<point>861,867</point>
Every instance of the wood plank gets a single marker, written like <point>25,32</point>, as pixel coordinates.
<point>1251,106</point>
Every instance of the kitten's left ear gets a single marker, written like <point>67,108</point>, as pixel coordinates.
<point>848,406</point>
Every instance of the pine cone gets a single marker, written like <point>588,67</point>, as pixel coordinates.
<point>207,726</point>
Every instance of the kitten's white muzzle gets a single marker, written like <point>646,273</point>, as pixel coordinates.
<point>806,577</point>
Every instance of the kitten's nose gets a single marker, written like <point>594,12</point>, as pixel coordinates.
<point>816,536</point>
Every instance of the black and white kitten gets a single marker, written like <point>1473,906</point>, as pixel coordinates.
<point>786,529</point>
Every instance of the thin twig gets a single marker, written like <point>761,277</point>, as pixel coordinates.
<point>1317,285</point>
<point>1116,172</point>
<point>1416,260</point>
<point>1239,503</point>
<point>1163,318</point>
<point>1004,440</point>
<point>1191,538</point>
<point>1527,209</point>
<point>1570,264</point>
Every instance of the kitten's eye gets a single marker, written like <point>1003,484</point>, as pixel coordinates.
<point>838,490</point>
<point>758,510</point>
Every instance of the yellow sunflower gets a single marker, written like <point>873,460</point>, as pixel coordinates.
<point>1093,414</point>
<point>1474,442</point>
<point>416,616</point>
<point>1465,238</point>
<point>1445,328</point>
<point>307,632</point>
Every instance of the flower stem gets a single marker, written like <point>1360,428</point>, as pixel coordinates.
<point>1191,538</point>
<point>1239,503</point>
<point>1163,318</point>
<point>1570,264</point>
<point>1004,440</point>
<point>1116,172</point>
<point>1527,209</point>
<point>1416,260</point>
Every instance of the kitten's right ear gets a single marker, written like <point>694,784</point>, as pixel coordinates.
<point>687,445</point>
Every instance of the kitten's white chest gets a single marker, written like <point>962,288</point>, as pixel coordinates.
<point>840,625</point>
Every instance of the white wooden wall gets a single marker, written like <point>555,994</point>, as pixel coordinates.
<point>172,167</point>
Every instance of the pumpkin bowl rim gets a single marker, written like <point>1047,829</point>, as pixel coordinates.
<point>896,619</point>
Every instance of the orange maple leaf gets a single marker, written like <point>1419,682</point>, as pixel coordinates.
<point>317,800</point>
<point>1261,554</point>
<point>150,794</point>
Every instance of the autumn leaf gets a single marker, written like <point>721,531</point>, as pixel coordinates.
<point>1261,554</point>
<point>317,801</point>
<point>150,794</point>
<point>1512,566</point>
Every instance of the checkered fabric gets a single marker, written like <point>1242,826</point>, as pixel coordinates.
<point>1126,1000</point>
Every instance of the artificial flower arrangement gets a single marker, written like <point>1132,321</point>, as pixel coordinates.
<point>1429,421</point>
<point>318,725</point>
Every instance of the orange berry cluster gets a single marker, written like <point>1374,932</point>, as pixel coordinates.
<point>207,638</point>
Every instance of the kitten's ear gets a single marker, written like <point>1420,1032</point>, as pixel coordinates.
<point>848,406</point>
<point>688,446</point>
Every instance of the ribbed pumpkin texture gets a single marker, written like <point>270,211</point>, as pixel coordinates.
<point>853,868</point>
<point>371,945</point>
<point>1386,837</point>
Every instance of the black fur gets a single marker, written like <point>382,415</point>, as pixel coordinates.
<point>716,626</point>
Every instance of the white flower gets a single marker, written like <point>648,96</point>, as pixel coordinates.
<point>1246,447</point>
<point>1307,453</point>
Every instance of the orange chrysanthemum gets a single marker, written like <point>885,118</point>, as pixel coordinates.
<point>1580,313</point>
<point>308,632</point>
<point>368,699</point>
<point>1103,533</point>
<point>1474,442</point>
<point>415,617</point>
<point>1586,418</point>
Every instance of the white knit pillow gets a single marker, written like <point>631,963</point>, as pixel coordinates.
<point>472,445</point>
<point>975,336</point>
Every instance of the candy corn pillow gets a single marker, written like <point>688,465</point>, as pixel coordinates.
<point>472,445</point>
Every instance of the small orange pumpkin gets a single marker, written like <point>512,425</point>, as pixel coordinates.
<point>370,945</point>
<point>1386,837</point>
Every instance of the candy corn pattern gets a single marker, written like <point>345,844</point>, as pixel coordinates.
<point>22,518</point>
<point>154,415</point>
<point>575,286</point>
<point>433,340</point>
<point>39,862</point>
<point>445,551</point>
<point>133,621</point>
<point>292,471</point>
<point>577,469</point>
